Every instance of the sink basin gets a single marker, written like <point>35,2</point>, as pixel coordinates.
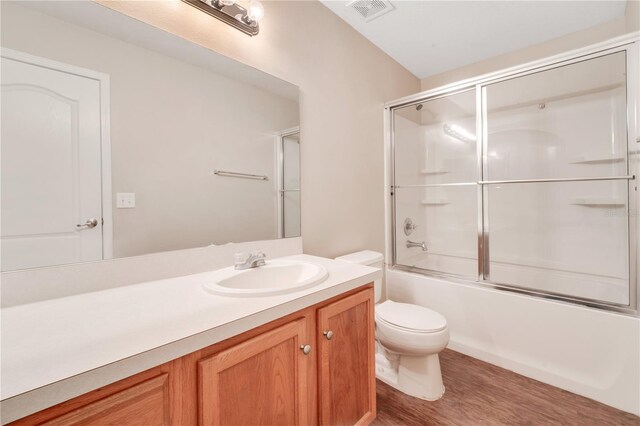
<point>274,278</point>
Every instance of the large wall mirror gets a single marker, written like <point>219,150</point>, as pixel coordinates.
<point>119,139</point>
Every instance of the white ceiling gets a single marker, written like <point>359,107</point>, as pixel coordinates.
<point>429,37</point>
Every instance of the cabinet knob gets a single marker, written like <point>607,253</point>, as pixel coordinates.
<point>328,334</point>
<point>305,349</point>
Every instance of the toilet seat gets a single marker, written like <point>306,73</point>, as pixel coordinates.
<point>409,317</point>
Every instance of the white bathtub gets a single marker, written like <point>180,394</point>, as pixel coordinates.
<point>590,352</point>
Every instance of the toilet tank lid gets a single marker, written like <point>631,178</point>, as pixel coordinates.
<point>364,257</point>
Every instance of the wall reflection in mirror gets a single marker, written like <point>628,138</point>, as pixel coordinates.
<point>112,131</point>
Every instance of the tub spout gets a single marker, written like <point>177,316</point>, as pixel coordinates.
<point>422,245</point>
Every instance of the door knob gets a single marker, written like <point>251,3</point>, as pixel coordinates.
<point>328,334</point>
<point>90,223</point>
<point>305,349</point>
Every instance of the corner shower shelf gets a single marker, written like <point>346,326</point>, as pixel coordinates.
<point>596,160</point>
<point>434,202</point>
<point>599,202</point>
<point>433,172</point>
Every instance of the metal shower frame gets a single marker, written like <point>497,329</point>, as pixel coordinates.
<point>629,44</point>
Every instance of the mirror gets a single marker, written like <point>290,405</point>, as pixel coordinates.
<point>119,139</point>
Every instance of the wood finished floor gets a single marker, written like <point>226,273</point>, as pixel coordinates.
<point>478,393</point>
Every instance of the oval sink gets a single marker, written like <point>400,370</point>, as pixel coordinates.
<point>274,278</point>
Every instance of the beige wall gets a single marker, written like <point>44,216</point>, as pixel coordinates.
<point>344,81</point>
<point>172,123</point>
<point>631,22</point>
<point>632,15</point>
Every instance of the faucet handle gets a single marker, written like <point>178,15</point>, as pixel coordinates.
<point>240,257</point>
<point>258,253</point>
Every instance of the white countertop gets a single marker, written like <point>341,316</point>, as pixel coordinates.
<point>59,340</point>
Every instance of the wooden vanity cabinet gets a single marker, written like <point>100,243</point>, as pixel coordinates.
<point>346,365</point>
<point>262,381</point>
<point>140,400</point>
<point>287,372</point>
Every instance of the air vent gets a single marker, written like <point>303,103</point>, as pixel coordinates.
<point>371,9</point>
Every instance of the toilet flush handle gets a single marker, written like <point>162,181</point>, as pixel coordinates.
<point>328,334</point>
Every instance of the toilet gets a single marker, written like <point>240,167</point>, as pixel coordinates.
<point>408,339</point>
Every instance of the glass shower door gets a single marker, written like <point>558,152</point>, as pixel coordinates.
<point>556,197</point>
<point>435,191</point>
<point>290,185</point>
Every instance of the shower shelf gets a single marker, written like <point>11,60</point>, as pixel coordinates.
<point>434,202</point>
<point>599,202</point>
<point>433,172</point>
<point>596,160</point>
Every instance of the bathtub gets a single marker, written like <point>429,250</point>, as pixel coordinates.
<point>590,352</point>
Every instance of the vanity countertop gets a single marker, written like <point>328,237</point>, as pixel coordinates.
<point>56,349</point>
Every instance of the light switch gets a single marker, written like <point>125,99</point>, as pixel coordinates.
<point>125,200</point>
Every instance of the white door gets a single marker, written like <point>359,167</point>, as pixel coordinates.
<point>51,167</point>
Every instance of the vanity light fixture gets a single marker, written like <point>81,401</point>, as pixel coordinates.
<point>230,12</point>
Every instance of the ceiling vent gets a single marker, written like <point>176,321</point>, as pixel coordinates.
<point>371,9</point>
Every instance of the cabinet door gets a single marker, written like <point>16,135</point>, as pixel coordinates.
<point>346,361</point>
<point>262,381</point>
<point>143,404</point>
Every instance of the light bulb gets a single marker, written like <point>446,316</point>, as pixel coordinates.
<point>255,12</point>
<point>227,2</point>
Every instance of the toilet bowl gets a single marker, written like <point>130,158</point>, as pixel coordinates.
<point>415,335</point>
<point>408,340</point>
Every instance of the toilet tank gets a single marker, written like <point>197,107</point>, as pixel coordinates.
<point>368,258</point>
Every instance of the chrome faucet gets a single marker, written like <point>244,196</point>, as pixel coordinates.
<point>422,245</point>
<point>251,260</point>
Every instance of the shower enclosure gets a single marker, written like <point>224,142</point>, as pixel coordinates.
<point>288,149</point>
<point>524,180</point>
